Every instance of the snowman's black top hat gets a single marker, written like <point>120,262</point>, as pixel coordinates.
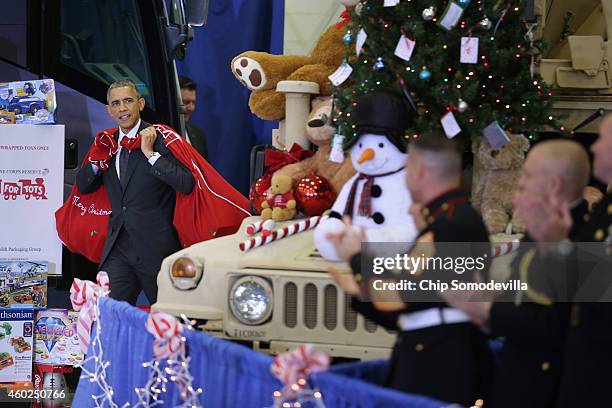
<point>382,112</point>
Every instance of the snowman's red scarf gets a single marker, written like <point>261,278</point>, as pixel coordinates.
<point>214,208</point>
<point>365,200</point>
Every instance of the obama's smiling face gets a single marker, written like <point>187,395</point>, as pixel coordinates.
<point>124,105</point>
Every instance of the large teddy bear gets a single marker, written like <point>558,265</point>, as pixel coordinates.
<point>320,132</point>
<point>496,174</point>
<point>260,72</point>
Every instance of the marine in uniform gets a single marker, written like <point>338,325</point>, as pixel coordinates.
<point>438,352</point>
<point>533,322</point>
<point>587,260</point>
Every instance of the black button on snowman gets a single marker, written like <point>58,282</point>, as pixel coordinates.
<point>377,197</point>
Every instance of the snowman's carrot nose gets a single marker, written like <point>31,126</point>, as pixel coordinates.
<point>367,154</point>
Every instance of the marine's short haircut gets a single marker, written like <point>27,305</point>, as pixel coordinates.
<point>441,155</point>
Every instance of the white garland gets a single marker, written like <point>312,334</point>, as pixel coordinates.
<point>98,374</point>
<point>177,370</point>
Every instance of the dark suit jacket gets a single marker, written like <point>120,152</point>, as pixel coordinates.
<point>197,139</point>
<point>145,207</point>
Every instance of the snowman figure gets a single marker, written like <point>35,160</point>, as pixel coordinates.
<point>377,197</point>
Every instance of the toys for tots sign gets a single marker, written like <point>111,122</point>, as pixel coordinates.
<point>26,188</point>
<point>31,189</point>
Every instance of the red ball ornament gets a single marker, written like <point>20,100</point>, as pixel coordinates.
<point>257,195</point>
<point>314,195</point>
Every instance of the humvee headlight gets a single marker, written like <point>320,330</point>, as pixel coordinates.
<point>251,300</point>
<point>186,273</point>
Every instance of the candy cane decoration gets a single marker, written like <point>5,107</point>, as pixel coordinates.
<point>260,226</point>
<point>291,366</point>
<point>254,228</point>
<point>83,295</point>
<point>503,249</point>
<point>284,232</point>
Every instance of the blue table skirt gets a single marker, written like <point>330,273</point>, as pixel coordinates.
<point>230,375</point>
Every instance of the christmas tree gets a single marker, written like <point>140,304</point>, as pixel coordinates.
<point>469,64</point>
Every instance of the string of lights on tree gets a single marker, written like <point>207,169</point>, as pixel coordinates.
<point>501,86</point>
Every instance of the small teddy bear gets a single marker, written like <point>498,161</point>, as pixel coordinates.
<point>280,204</point>
<point>496,180</point>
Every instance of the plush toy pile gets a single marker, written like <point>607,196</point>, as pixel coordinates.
<point>315,179</point>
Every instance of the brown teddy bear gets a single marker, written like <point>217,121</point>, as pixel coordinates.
<point>260,72</point>
<point>496,174</point>
<point>280,204</point>
<point>320,132</point>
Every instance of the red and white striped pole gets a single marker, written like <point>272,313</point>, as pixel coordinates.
<point>275,235</point>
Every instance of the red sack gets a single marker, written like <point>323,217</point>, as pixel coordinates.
<point>82,222</point>
<point>214,208</point>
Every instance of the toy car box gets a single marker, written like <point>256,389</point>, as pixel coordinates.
<point>31,102</point>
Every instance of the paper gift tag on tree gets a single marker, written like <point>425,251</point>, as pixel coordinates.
<point>336,154</point>
<point>341,74</point>
<point>451,16</point>
<point>361,39</point>
<point>404,48</point>
<point>496,136</point>
<point>391,3</point>
<point>469,50</point>
<point>450,125</point>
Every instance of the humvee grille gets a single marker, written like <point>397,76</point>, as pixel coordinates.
<point>350,316</point>
<point>310,306</point>
<point>290,305</point>
<point>370,326</point>
<point>330,307</point>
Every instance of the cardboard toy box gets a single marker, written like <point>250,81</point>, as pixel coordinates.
<point>31,102</point>
<point>57,342</point>
<point>16,344</point>
<point>23,284</point>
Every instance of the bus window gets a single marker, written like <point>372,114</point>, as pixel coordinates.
<point>104,40</point>
<point>13,35</point>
